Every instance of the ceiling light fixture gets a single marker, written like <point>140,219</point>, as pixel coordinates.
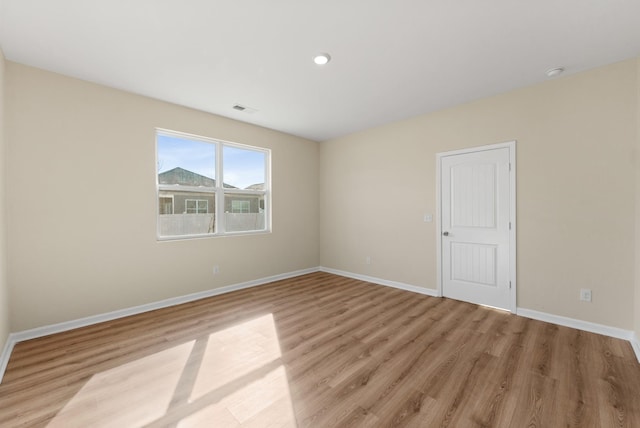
<point>553,72</point>
<point>322,58</point>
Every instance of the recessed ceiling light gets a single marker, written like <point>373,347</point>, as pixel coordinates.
<point>322,58</point>
<point>553,72</point>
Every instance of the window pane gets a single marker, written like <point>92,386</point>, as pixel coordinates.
<point>193,213</point>
<point>186,162</point>
<point>243,168</point>
<point>243,212</point>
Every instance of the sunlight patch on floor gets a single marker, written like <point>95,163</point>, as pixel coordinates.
<point>244,363</point>
<point>263,403</point>
<point>236,352</point>
<point>231,378</point>
<point>132,394</point>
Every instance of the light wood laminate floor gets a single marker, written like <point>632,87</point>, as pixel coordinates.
<point>322,350</point>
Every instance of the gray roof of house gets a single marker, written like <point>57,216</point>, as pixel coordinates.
<point>184,177</point>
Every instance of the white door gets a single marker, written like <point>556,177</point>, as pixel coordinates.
<point>476,221</point>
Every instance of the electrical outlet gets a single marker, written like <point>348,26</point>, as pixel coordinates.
<point>585,295</point>
<point>428,218</point>
<point>216,269</point>
<point>367,260</point>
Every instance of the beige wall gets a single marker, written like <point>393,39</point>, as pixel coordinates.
<point>75,149</point>
<point>78,153</point>
<point>4,292</point>
<point>576,188</point>
<point>637,256</point>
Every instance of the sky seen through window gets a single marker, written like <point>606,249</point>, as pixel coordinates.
<point>242,167</point>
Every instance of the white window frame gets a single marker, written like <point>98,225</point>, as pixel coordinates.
<point>219,191</point>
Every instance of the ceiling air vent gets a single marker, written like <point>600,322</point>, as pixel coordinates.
<point>244,109</point>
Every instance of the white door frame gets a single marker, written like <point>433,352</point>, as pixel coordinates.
<point>511,145</point>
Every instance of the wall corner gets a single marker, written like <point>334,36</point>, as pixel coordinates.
<point>636,324</point>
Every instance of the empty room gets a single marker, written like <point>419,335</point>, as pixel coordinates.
<point>319,214</point>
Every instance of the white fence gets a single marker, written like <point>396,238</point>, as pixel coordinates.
<point>197,224</point>
<point>236,222</point>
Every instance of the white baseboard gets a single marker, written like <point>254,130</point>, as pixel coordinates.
<point>591,327</point>
<point>394,284</point>
<point>635,344</point>
<point>14,338</point>
<point>6,353</point>
<point>109,316</point>
<point>605,330</point>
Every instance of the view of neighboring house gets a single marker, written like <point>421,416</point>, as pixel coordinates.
<point>190,211</point>
<point>185,202</point>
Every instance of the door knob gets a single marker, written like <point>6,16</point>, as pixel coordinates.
<point>445,233</point>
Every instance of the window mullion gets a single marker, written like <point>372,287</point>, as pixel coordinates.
<point>220,220</point>
<point>267,194</point>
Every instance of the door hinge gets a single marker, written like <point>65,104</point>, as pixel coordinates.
<point>509,166</point>
<point>509,225</point>
<point>509,285</point>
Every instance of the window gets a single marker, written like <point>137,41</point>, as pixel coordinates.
<point>196,206</point>
<point>165,204</point>
<point>207,187</point>
<point>238,206</point>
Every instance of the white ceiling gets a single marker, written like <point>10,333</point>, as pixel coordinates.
<point>390,59</point>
